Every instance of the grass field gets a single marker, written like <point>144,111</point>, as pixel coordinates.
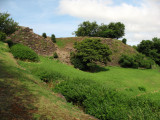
<point>118,78</point>
<point>110,93</point>
<point>24,96</point>
<point>134,93</point>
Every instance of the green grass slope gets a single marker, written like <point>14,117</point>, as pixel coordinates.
<point>24,96</point>
<point>112,93</point>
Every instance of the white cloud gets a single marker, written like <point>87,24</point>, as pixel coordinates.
<point>142,21</point>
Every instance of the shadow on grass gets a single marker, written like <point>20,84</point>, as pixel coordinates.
<point>97,69</point>
<point>16,102</point>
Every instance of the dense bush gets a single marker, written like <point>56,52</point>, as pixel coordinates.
<point>92,29</point>
<point>22,52</point>
<point>88,52</point>
<point>124,40</point>
<point>44,35</point>
<point>7,25</point>
<point>150,49</point>
<point>107,104</point>
<point>135,61</point>
<point>53,38</point>
<point>2,36</point>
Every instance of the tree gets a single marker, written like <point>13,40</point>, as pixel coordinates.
<point>88,53</point>
<point>113,30</point>
<point>150,49</point>
<point>145,46</point>
<point>44,35</point>
<point>53,38</point>
<point>118,29</point>
<point>87,29</point>
<point>7,25</point>
<point>124,40</point>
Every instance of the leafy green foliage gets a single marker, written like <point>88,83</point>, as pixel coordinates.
<point>107,104</point>
<point>118,29</point>
<point>7,25</point>
<point>124,40</point>
<point>88,52</point>
<point>22,52</point>
<point>92,29</point>
<point>44,35</point>
<point>87,29</point>
<point>2,36</point>
<point>136,61</point>
<point>53,38</point>
<point>151,49</point>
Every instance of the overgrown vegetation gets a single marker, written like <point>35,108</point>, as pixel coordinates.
<point>88,52</point>
<point>92,29</point>
<point>22,52</point>
<point>7,24</point>
<point>136,61</point>
<point>107,104</point>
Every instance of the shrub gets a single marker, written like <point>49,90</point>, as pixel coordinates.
<point>7,25</point>
<point>107,104</point>
<point>22,52</point>
<point>55,55</point>
<point>136,61</point>
<point>124,40</point>
<point>53,38</point>
<point>88,52</point>
<point>77,62</point>
<point>128,61</point>
<point>2,36</point>
<point>44,35</point>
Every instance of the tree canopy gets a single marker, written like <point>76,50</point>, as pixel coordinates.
<point>88,52</point>
<point>7,24</point>
<point>92,29</point>
<point>151,49</point>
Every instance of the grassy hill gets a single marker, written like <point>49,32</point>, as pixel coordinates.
<point>112,93</point>
<point>65,46</point>
<point>51,90</point>
<point>24,96</point>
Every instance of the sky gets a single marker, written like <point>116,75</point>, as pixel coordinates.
<point>62,17</point>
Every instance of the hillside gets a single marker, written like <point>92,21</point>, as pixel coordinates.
<point>24,96</point>
<point>26,36</point>
<point>65,46</point>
